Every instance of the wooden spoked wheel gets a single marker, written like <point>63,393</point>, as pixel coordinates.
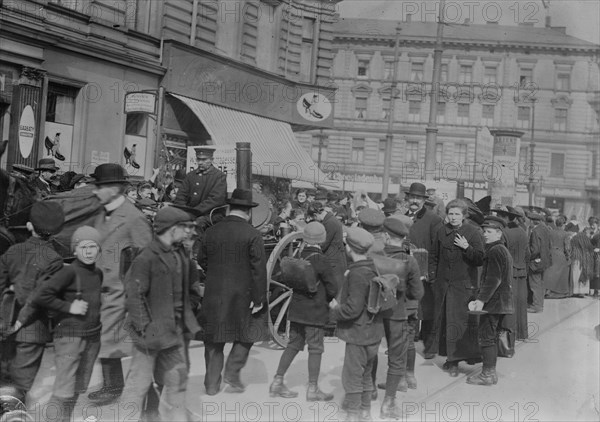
<point>280,295</point>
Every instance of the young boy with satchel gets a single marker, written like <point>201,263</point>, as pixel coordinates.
<point>308,315</point>
<point>361,330</point>
<point>74,294</point>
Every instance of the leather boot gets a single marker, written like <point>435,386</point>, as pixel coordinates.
<point>411,380</point>
<point>352,415</point>
<point>389,409</point>
<point>402,385</point>
<point>352,401</point>
<point>112,374</point>
<point>314,393</point>
<point>485,377</point>
<point>278,389</point>
<point>365,406</point>
<point>365,414</point>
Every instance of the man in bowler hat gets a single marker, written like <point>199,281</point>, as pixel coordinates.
<point>204,188</point>
<point>43,183</point>
<point>235,305</point>
<point>422,234</point>
<point>121,226</point>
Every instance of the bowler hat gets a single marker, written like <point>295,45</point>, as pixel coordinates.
<point>395,226</point>
<point>359,239</point>
<point>242,197</point>
<point>110,173</point>
<point>205,152</point>
<point>417,189</point>
<point>47,164</point>
<point>167,217</point>
<point>47,217</point>
<point>389,205</point>
<point>493,221</point>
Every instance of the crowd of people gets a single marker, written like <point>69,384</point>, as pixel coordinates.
<point>148,279</point>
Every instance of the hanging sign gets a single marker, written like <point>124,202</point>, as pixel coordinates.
<point>26,131</point>
<point>140,102</point>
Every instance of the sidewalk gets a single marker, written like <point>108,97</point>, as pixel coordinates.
<point>557,370</point>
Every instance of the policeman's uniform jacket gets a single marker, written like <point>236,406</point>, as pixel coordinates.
<point>203,191</point>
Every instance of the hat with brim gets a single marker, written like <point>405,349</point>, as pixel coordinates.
<point>493,222</point>
<point>205,152</point>
<point>110,173</point>
<point>80,178</point>
<point>47,164</point>
<point>389,205</point>
<point>194,212</point>
<point>417,189</point>
<point>242,198</point>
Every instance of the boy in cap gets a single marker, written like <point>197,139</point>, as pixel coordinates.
<point>308,314</point>
<point>494,297</point>
<point>159,285</point>
<point>361,331</point>
<point>22,268</point>
<point>400,326</point>
<point>74,294</point>
<point>371,220</point>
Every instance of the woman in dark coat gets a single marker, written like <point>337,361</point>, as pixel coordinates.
<point>459,250</point>
<point>582,258</point>
<point>556,278</point>
<point>308,315</point>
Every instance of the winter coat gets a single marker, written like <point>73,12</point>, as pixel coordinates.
<point>152,296</point>
<point>355,325</point>
<point>313,309</point>
<point>516,242</point>
<point>233,256</point>
<point>496,280</point>
<point>24,265</point>
<point>204,191</point>
<point>540,248</point>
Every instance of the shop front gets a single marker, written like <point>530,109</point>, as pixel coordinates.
<point>212,100</point>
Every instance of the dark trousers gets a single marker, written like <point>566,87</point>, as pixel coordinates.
<point>536,285</point>
<point>214,358</point>
<point>358,364</point>
<point>413,328</point>
<point>24,366</point>
<point>489,326</point>
<point>520,301</point>
<point>428,336</point>
<point>396,335</point>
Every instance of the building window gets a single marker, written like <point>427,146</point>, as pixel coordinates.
<point>417,72</point>
<point>306,61</point>
<point>360,108</point>
<point>465,75</point>
<point>414,111</point>
<point>358,150</point>
<point>412,152</point>
<point>490,75</point>
<point>460,153</point>
<point>388,70</point>
<point>381,152</point>
<point>523,117</point>
<point>560,119</point>
<point>385,108</point>
<point>363,69</point>
<point>487,115</point>
<point>557,164</point>
<point>314,150</point>
<point>525,77</point>
<point>563,82</point>
<point>444,73</point>
<point>60,118</point>
<point>136,124</point>
<point>439,153</point>
<point>60,106</point>
<point>441,112</point>
<point>462,116</point>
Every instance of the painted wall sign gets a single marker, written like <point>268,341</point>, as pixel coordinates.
<point>26,131</point>
<point>314,107</point>
<point>140,102</point>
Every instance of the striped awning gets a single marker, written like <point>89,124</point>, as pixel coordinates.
<point>275,150</point>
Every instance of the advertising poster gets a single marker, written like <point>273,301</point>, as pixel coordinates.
<point>134,155</point>
<point>58,144</point>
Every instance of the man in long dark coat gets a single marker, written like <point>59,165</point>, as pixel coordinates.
<point>422,234</point>
<point>540,259</point>
<point>235,297</point>
<point>205,189</point>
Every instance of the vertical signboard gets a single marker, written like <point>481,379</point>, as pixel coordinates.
<point>505,166</point>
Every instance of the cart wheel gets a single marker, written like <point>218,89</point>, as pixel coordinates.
<point>280,295</point>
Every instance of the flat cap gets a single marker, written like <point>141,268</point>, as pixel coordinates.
<point>494,221</point>
<point>359,239</point>
<point>395,226</point>
<point>167,217</point>
<point>371,217</point>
